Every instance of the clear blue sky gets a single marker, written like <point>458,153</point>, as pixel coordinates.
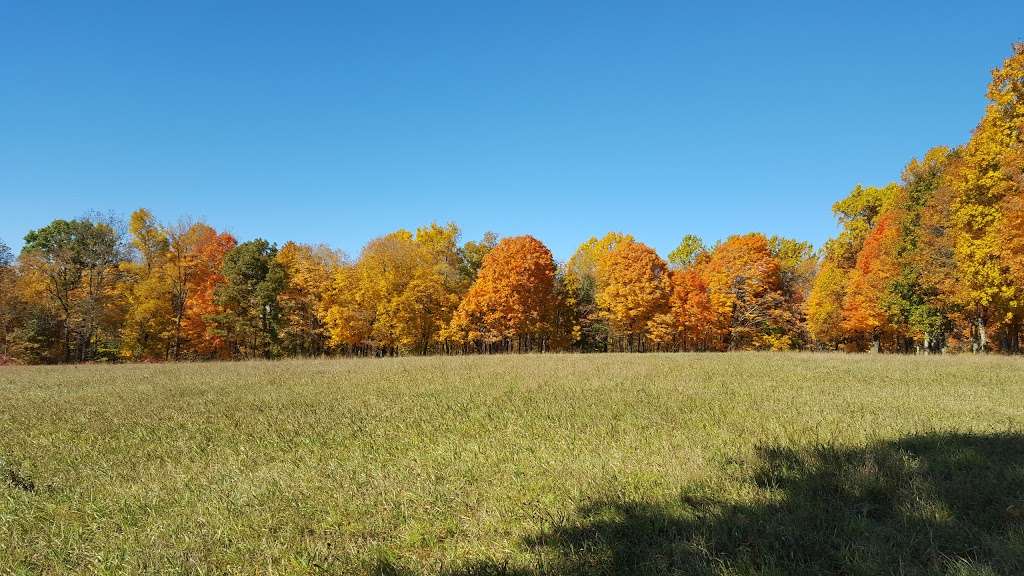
<point>339,121</point>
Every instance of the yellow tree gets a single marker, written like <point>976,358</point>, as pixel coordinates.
<point>309,271</point>
<point>422,311</point>
<point>11,343</point>
<point>1013,254</point>
<point>149,326</point>
<point>582,279</point>
<point>823,306</point>
<point>982,182</point>
<point>363,293</point>
<point>399,294</point>
<point>348,318</point>
<point>634,292</point>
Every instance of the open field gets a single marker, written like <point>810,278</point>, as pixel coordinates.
<point>557,464</point>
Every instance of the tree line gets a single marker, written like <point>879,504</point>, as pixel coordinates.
<point>934,262</point>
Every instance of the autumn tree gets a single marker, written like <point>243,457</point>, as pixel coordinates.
<point>633,295</point>
<point>824,306</point>
<point>9,305</point>
<point>798,266</point>
<point>697,325</point>
<point>1012,233</point>
<point>196,258</point>
<point>582,279</point>
<point>31,320</point>
<point>399,295</point>
<point>983,182</point>
<point>824,303</point>
<point>745,290</point>
<point>309,271</point>
<point>78,261</point>
<point>510,304</point>
<point>864,311</point>
<point>148,329</point>
<point>170,288</point>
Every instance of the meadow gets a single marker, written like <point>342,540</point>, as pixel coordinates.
<point>743,463</point>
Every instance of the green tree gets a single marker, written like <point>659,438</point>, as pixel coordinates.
<point>79,260</point>
<point>472,254</point>
<point>253,279</point>
<point>686,253</point>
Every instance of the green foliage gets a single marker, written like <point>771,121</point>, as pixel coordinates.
<point>78,262</point>
<point>471,256</point>
<point>863,205</point>
<point>253,279</point>
<point>687,252</point>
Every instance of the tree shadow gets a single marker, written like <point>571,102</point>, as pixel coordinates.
<point>931,504</point>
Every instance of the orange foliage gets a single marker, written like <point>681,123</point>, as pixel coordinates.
<point>635,290</point>
<point>695,318</point>
<point>876,267</point>
<point>744,288</point>
<point>513,295</point>
<point>205,272</point>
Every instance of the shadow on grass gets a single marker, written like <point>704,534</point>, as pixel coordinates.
<point>933,504</point>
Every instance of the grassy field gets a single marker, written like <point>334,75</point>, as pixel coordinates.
<point>557,464</point>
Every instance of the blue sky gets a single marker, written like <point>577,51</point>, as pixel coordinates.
<point>339,121</point>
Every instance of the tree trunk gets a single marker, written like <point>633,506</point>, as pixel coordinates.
<point>980,335</point>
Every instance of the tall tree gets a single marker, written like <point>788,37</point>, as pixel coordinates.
<point>824,303</point>
<point>511,303</point>
<point>697,324</point>
<point>982,181</point>
<point>399,294</point>
<point>251,314</point>
<point>309,271</point>
<point>148,329</point>
<point>196,259</point>
<point>634,294</point>
<point>745,290</point>
<point>79,262</point>
<point>582,280</point>
<point>864,311</point>
<point>913,300</point>
<point>9,304</point>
